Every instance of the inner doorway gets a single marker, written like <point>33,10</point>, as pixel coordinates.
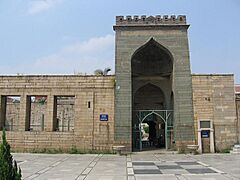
<point>152,129</point>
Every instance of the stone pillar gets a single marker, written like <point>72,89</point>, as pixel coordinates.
<point>3,100</point>
<point>84,119</point>
<point>22,113</point>
<point>50,119</point>
<point>199,142</point>
<point>212,141</point>
<point>28,113</point>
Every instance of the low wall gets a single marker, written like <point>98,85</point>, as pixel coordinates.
<point>94,96</point>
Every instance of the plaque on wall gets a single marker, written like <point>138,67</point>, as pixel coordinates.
<point>103,117</point>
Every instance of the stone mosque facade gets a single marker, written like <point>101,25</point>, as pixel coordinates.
<point>152,87</point>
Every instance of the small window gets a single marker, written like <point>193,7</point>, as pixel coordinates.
<point>89,104</point>
<point>207,98</point>
<point>205,124</point>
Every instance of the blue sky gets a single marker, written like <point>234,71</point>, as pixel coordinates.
<point>76,36</point>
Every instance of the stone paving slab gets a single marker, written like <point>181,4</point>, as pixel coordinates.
<point>131,167</point>
<point>183,167</point>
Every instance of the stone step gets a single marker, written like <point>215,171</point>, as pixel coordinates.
<point>237,146</point>
<point>232,152</point>
<point>235,149</point>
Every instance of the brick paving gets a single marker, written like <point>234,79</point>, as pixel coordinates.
<point>131,167</point>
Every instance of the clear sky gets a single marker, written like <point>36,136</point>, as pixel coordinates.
<point>76,36</point>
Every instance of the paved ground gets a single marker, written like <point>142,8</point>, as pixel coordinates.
<point>139,166</point>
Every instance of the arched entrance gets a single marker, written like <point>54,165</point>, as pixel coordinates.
<point>159,129</point>
<point>151,97</point>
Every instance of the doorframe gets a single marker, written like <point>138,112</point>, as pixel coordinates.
<point>163,114</point>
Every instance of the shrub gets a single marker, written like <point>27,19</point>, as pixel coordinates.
<point>8,167</point>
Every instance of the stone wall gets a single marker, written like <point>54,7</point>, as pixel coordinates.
<point>94,95</point>
<point>133,34</point>
<point>238,115</point>
<point>213,98</point>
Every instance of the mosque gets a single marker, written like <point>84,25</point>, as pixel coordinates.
<point>153,101</point>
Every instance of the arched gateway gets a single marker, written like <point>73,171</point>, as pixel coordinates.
<point>153,82</point>
<point>152,65</point>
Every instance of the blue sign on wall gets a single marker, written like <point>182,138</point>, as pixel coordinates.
<point>103,117</point>
<point>205,134</point>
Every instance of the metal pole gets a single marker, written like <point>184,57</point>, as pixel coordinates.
<point>140,138</point>
<point>166,133</point>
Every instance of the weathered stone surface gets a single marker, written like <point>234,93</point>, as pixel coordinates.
<point>129,38</point>
<point>214,98</point>
<point>88,133</point>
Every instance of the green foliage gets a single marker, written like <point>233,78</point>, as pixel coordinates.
<point>73,150</point>
<point>227,150</point>
<point>146,129</point>
<point>8,167</point>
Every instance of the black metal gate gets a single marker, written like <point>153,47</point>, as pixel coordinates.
<point>141,115</point>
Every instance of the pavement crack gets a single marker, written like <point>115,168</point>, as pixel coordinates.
<point>89,167</point>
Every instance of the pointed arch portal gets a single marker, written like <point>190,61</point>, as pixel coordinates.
<point>152,66</point>
<point>144,115</point>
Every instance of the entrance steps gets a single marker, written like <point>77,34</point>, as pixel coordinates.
<point>236,149</point>
<point>156,151</point>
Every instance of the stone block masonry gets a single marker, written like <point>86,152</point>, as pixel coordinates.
<point>214,99</point>
<point>133,33</point>
<point>94,95</point>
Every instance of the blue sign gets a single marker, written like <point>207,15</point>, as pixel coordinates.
<point>205,134</point>
<point>103,117</point>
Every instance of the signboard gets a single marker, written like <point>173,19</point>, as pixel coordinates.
<point>205,134</point>
<point>103,117</point>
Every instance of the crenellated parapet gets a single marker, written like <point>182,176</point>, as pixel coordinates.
<point>151,20</point>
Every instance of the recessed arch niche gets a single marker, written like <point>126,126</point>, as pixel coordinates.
<point>151,71</point>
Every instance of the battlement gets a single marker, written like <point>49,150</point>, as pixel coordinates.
<point>151,20</point>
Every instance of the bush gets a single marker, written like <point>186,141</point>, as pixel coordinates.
<point>8,167</point>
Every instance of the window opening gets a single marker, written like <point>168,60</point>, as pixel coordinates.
<point>11,112</point>
<point>64,113</point>
<point>36,112</point>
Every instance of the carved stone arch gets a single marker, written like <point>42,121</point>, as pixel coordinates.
<point>157,44</point>
<point>146,83</point>
<point>152,59</point>
<point>149,93</point>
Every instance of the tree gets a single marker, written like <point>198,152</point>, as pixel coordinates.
<point>8,167</point>
<point>146,129</point>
